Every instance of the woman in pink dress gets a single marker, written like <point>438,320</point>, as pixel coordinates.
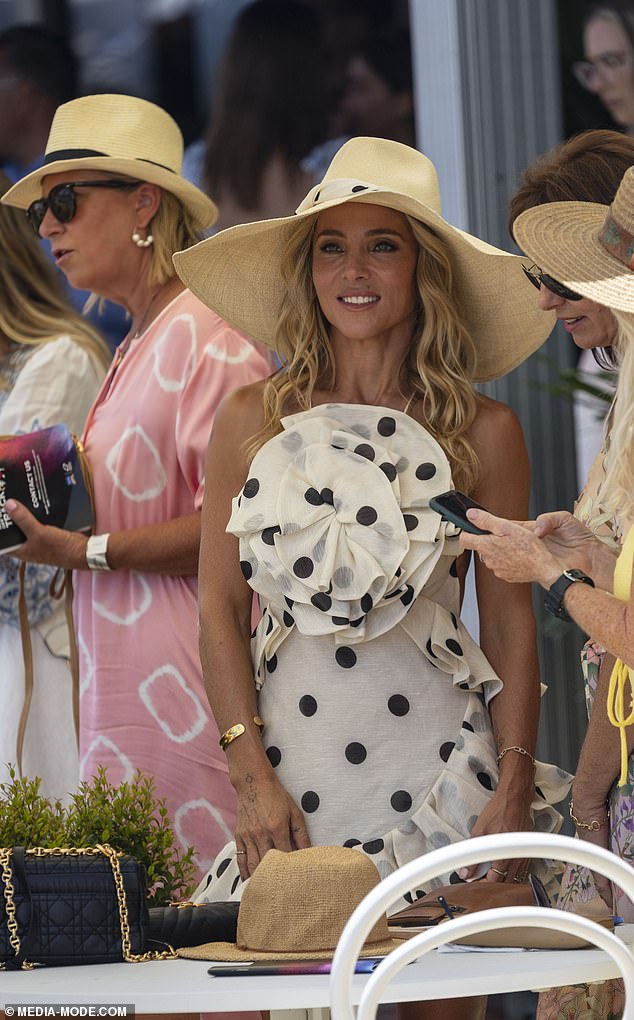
<point>112,203</point>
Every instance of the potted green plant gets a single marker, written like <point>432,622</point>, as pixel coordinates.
<point>128,816</point>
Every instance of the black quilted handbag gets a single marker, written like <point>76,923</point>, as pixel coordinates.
<point>71,906</point>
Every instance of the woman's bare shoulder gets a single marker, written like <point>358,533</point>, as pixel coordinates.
<point>494,420</point>
<point>241,412</point>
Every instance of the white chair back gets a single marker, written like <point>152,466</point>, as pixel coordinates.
<point>459,855</point>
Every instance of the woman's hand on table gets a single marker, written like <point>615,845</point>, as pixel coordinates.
<point>46,544</point>
<point>268,818</point>
<point>507,811</point>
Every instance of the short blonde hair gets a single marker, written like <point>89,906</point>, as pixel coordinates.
<point>438,367</point>
<point>173,229</point>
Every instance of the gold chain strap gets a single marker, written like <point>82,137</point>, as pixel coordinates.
<point>100,850</point>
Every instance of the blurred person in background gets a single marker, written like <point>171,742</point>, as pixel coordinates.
<point>608,68</point>
<point>38,72</point>
<point>272,73</point>
<point>52,364</point>
<point>112,203</point>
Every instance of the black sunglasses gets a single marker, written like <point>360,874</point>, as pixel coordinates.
<point>535,275</point>
<point>62,201</point>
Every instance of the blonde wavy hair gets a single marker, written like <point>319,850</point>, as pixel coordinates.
<point>438,367</point>
<point>33,307</point>
<point>617,492</point>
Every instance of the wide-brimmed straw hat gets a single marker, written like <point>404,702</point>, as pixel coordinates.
<point>295,907</point>
<point>121,135</point>
<point>237,272</point>
<point>586,246</point>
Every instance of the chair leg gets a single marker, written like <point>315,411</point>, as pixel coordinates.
<point>473,1008</point>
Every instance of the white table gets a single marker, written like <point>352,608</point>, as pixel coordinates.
<point>183,986</point>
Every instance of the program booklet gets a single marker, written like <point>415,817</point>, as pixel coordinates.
<point>42,470</point>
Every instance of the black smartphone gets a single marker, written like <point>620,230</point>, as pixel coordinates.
<point>277,967</point>
<point>453,505</point>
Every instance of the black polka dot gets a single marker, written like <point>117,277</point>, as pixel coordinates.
<point>464,686</point>
<point>321,601</point>
<point>222,867</point>
<point>269,625</point>
<point>274,755</point>
<point>340,621</point>
<point>374,846</point>
<point>303,567</point>
<point>327,496</point>
<point>251,488</point>
<point>365,450</point>
<point>358,622</point>
<point>313,497</point>
<point>539,793</point>
<point>289,602</point>
<point>288,619</point>
<point>485,780</point>
<point>352,842</point>
<point>401,800</point>
<point>453,646</point>
<point>271,664</point>
<point>467,726</point>
<point>388,470</point>
<point>454,879</point>
<point>268,535</point>
<point>454,620</point>
<point>246,569</point>
<point>367,515</point>
<point>392,594</point>
<point>317,194</point>
<point>310,802</point>
<point>386,426</point>
<point>307,705</point>
<point>408,897</point>
<point>356,753</point>
<point>345,657</point>
<point>453,569</point>
<point>359,187</point>
<point>235,884</point>
<point>446,749</point>
<point>425,471</point>
<point>366,603</point>
<point>398,704</point>
<point>411,522</point>
<point>407,595</point>
<point>429,649</point>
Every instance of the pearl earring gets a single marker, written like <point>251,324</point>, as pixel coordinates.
<point>142,242</point>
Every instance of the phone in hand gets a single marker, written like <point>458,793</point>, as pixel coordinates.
<point>453,505</point>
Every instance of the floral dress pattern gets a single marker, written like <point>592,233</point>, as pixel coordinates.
<point>373,694</point>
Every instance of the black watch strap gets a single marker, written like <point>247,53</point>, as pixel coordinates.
<point>554,598</point>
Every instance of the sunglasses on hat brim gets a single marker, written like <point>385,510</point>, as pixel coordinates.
<point>62,201</point>
<point>537,278</point>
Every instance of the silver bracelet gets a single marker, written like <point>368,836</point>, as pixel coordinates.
<point>96,549</point>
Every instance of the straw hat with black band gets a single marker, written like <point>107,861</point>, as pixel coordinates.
<point>237,272</point>
<point>586,246</point>
<point>121,135</point>
<point>295,907</point>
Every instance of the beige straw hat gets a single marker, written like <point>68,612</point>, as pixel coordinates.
<point>121,135</point>
<point>237,272</point>
<point>295,907</point>
<point>586,246</point>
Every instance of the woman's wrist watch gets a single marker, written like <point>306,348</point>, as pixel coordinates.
<point>554,598</point>
<point>96,549</point>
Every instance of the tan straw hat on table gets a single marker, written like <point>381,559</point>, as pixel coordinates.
<point>120,135</point>
<point>586,246</point>
<point>295,907</point>
<point>238,271</point>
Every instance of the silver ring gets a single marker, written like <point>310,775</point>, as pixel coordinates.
<point>481,558</point>
<point>496,871</point>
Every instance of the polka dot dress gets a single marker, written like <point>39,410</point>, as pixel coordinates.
<point>372,692</point>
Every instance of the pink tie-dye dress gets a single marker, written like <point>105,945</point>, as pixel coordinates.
<point>143,703</point>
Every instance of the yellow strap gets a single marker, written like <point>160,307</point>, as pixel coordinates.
<point>616,709</point>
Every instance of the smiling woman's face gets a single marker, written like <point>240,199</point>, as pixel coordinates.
<point>589,324</point>
<point>608,48</point>
<point>364,265</point>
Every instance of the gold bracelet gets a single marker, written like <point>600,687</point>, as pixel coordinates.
<point>236,731</point>
<point>518,750</point>
<point>592,826</point>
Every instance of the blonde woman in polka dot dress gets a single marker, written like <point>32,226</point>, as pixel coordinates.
<point>361,712</point>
